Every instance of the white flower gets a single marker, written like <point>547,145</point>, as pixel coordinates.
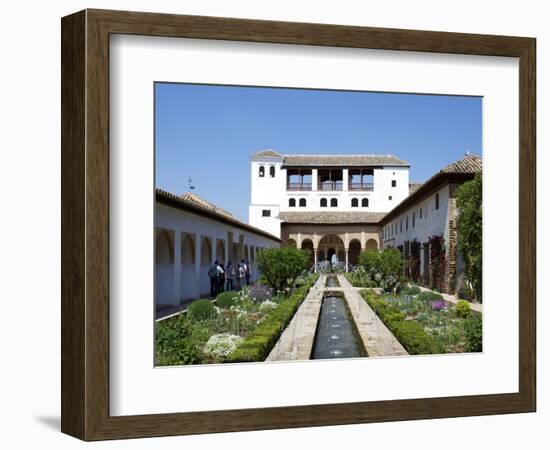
<point>268,304</point>
<point>222,344</point>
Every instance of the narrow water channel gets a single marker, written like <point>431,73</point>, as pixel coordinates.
<point>332,281</point>
<point>336,335</point>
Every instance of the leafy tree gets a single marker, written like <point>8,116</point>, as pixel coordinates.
<point>469,200</point>
<point>281,266</point>
<point>385,267</point>
<point>370,260</point>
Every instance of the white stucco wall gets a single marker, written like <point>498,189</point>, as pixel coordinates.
<point>266,194</point>
<point>270,193</point>
<point>433,221</point>
<point>182,279</point>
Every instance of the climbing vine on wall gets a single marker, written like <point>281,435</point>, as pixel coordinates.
<point>437,262</point>
<point>414,261</point>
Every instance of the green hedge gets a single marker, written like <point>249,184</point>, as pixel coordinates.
<point>412,290</point>
<point>227,299</point>
<point>256,346</point>
<point>473,329</point>
<point>201,310</point>
<point>462,309</point>
<point>429,295</point>
<point>410,333</point>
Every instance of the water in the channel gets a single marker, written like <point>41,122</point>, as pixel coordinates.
<point>336,336</point>
<point>332,281</point>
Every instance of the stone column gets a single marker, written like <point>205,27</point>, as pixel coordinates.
<point>345,179</point>
<point>347,258</point>
<point>197,287</point>
<point>314,181</point>
<point>315,258</point>
<point>241,247</point>
<point>421,262</point>
<point>177,267</point>
<point>226,256</point>
<point>213,248</point>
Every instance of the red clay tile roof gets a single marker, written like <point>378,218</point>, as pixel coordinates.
<point>342,160</point>
<point>198,205</point>
<point>269,153</point>
<point>330,217</point>
<point>458,172</point>
<point>469,164</point>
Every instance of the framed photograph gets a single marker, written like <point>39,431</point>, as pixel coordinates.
<point>272,225</point>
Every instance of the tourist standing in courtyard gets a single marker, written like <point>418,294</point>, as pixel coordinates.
<point>241,274</point>
<point>229,276</point>
<point>213,274</point>
<point>221,278</point>
<point>247,273</point>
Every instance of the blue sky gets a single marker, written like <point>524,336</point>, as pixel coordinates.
<point>209,132</point>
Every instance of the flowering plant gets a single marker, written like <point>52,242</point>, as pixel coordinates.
<point>268,305</point>
<point>222,345</point>
<point>438,305</point>
<point>260,293</point>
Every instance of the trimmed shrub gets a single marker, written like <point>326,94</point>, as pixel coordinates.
<point>429,295</point>
<point>462,309</point>
<point>473,329</point>
<point>201,310</point>
<point>412,290</point>
<point>227,299</point>
<point>415,340</point>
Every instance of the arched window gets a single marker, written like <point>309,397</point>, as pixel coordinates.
<point>333,202</point>
<point>354,202</point>
<point>365,203</point>
<point>302,202</point>
<point>261,172</point>
<point>323,203</point>
<point>292,202</point>
<point>272,171</point>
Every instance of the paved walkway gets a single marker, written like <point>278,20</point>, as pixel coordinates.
<point>452,299</point>
<point>296,342</point>
<point>377,339</point>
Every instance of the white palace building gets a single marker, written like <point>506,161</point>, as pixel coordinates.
<point>329,204</point>
<point>343,204</point>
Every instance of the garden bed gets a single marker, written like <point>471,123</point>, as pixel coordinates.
<point>426,324</point>
<point>238,326</point>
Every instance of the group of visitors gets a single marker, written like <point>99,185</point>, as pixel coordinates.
<point>232,277</point>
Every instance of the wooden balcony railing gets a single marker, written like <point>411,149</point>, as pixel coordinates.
<point>331,186</point>
<point>361,186</point>
<point>298,186</point>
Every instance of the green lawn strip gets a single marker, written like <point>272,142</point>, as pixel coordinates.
<point>409,332</point>
<point>258,344</point>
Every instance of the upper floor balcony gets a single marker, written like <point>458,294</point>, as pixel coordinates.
<point>360,186</point>
<point>330,179</point>
<point>299,186</point>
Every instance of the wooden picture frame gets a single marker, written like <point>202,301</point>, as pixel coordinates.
<point>85,224</point>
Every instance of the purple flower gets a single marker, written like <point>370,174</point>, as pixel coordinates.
<point>260,293</point>
<point>438,305</point>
